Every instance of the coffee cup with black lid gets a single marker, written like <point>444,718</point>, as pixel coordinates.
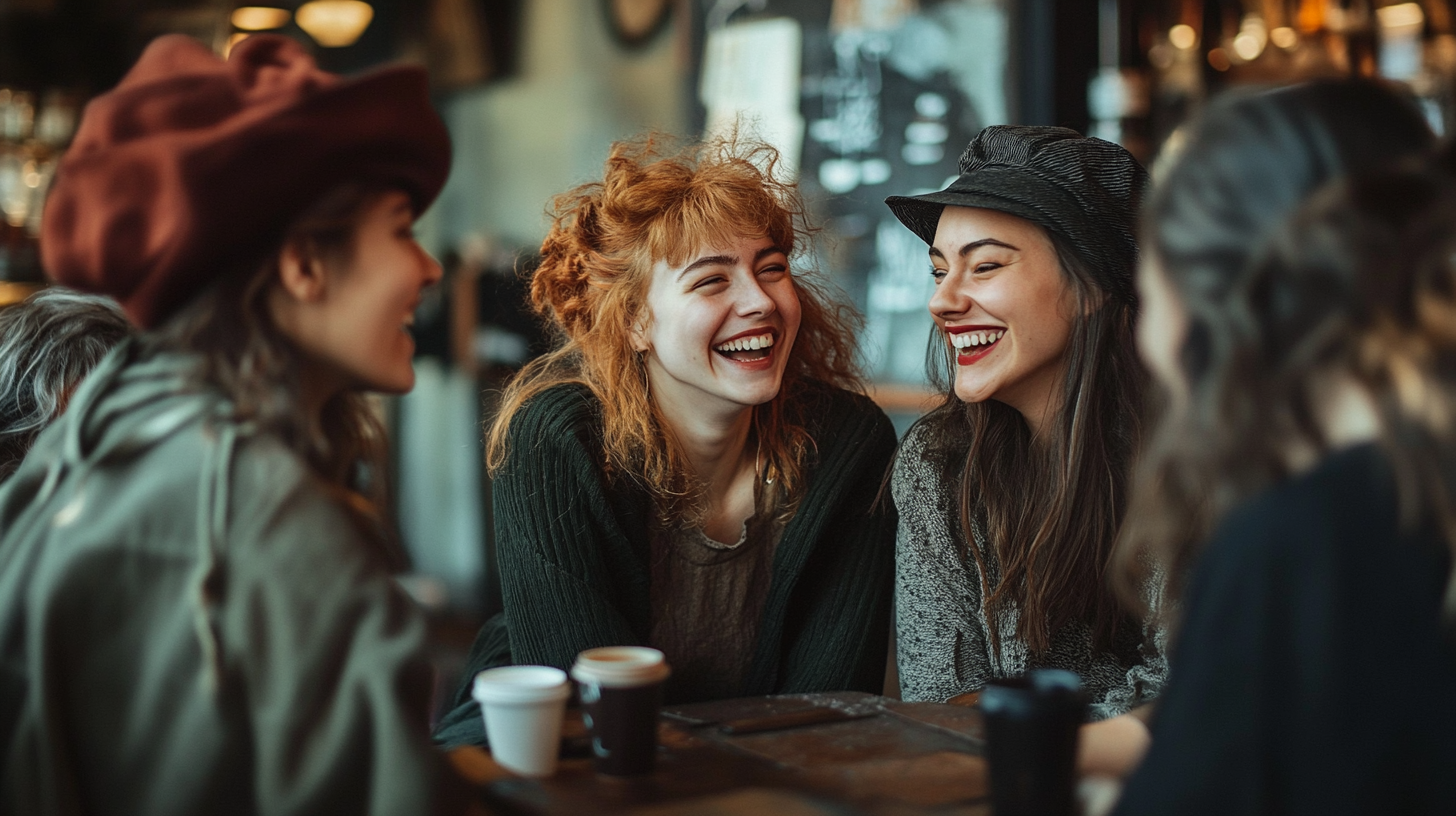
<point>621,693</point>
<point>1032,726</point>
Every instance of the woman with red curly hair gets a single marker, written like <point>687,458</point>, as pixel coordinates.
<point>693,467</point>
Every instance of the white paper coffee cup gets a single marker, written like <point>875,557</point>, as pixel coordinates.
<point>523,707</point>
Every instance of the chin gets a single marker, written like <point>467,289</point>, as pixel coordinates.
<point>395,383</point>
<point>971,395</point>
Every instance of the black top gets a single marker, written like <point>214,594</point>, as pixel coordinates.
<point>574,549</point>
<point>1312,674</point>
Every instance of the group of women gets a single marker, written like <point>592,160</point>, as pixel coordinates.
<point>1246,556</point>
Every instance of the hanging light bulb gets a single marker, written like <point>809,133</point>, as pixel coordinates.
<point>260,17</point>
<point>334,23</point>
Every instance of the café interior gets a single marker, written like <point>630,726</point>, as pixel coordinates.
<point>862,99</point>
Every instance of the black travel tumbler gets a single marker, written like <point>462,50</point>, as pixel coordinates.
<point>1031,741</point>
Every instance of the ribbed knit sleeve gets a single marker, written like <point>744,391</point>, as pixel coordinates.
<point>571,577</point>
<point>835,565</point>
<point>574,549</point>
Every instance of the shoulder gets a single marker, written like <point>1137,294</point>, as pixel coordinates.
<point>1344,500</point>
<point>563,419</point>
<point>567,407</point>
<point>920,465</point>
<point>835,415</point>
<point>279,506</point>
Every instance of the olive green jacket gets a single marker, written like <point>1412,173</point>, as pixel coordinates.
<point>190,624</point>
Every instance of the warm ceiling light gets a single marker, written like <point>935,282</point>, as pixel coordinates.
<point>1247,46</point>
<point>1182,36</point>
<point>1404,15</point>
<point>335,23</point>
<point>1284,37</point>
<point>260,18</point>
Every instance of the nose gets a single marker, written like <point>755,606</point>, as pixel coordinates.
<point>431,269</point>
<point>950,299</point>
<point>753,301</point>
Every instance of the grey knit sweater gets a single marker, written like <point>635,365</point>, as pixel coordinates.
<point>941,623</point>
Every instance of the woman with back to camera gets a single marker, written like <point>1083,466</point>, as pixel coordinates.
<point>692,467</point>
<point>1010,493</point>
<point>1309,360</point>
<point>196,607</point>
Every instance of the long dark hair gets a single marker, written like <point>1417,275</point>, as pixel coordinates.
<point>245,356</point>
<point>1211,227</point>
<point>1049,512</point>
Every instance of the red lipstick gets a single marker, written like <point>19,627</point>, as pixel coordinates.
<point>971,355</point>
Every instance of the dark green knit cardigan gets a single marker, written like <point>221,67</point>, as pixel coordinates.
<point>573,548</point>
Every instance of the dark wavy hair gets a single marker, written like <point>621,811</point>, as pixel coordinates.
<point>1261,299</point>
<point>48,343</point>
<point>1050,512</point>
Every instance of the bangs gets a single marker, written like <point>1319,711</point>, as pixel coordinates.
<point>717,209</point>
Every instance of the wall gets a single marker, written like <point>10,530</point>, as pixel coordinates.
<point>521,141</point>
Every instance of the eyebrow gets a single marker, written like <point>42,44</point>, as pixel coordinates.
<point>973,246</point>
<point>729,260</point>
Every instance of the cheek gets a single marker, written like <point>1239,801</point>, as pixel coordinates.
<point>791,310</point>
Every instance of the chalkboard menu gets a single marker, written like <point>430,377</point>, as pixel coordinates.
<point>889,93</point>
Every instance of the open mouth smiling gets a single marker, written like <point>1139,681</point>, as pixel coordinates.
<point>971,343</point>
<point>749,347</point>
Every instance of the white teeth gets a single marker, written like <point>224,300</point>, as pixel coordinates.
<point>963,340</point>
<point>760,341</point>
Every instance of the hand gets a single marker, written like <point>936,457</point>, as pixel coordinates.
<point>1113,747</point>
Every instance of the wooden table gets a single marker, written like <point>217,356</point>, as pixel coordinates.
<point>895,759</point>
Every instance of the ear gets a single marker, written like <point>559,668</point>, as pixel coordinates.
<point>638,333</point>
<point>301,274</point>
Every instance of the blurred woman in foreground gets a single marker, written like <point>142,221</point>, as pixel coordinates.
<point>1310,363</point>
<point>692,468</point>
<point>196,608</point>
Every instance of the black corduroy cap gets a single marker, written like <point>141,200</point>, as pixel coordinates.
<point>1086,190</point>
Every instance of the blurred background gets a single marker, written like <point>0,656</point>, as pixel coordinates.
<point>864,98</point>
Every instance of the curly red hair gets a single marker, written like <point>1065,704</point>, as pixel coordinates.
<point>591,286</point>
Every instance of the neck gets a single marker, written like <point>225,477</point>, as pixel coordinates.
<point>1037,402</point>
<point>1346,416</point>
<point>714,442</point>
<point>316,386</point>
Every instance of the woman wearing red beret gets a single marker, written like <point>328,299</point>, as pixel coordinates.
<point>196,610</point>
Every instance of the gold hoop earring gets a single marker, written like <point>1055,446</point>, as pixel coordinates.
<point>758,473</point>
<point>646,377</point>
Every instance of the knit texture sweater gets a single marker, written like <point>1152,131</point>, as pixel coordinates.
<point>574,547</point>
<point>943,631</point>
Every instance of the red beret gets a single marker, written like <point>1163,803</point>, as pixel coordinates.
<point>192,165</point>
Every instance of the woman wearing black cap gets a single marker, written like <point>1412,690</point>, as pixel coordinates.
<point>196,607</point>
<point>1011,491</point>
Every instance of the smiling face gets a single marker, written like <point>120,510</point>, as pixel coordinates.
<point>718,329</point>
<point>350,316</point>
<point>1005,306</point>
